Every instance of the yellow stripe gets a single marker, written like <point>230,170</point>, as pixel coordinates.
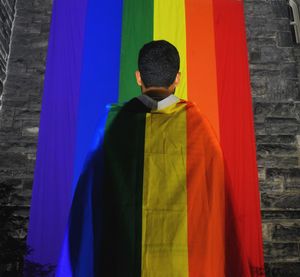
<point>164,215</point>
<point>169,24</point>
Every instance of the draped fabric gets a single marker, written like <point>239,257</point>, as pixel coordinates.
<point>92,56</point>
<point>151,198</point>
<point>56,149</point>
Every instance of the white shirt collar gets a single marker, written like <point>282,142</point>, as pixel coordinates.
<point>158,105</point>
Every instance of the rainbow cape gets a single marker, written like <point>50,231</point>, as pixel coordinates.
<point>151,198</point>
<point>92,56</point>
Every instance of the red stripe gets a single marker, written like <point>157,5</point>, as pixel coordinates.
<point>244,230</point>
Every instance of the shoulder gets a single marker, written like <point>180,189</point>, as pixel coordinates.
<point>194,113</point>
<point>199,122</point>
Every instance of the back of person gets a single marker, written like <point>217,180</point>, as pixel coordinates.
<point>150,199</point>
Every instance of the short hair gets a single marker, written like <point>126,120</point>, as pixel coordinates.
<point>158,63</point>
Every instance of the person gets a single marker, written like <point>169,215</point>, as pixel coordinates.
<point>150,199</point>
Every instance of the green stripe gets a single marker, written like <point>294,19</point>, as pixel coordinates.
<point>119,208</point>
<point>137,29</point>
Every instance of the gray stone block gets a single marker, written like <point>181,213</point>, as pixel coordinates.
<point>279,251</point>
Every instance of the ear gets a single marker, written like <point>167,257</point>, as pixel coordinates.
<point>177,79</point>
<point>138,78</point>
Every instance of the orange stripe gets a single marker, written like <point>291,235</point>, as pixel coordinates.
<point>201,60</point>
<point>205,197</point>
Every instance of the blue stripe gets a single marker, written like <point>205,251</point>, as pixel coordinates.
<point>99,85</point>
<point>100,72</point>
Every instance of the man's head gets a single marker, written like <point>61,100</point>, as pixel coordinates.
<point>158,64</point>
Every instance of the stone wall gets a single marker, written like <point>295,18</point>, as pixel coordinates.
<point>21,97</point>
<point>274,69</point>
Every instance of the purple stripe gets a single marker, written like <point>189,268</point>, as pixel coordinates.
<point>51,197</point>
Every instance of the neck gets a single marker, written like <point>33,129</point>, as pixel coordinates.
<point>157,93</point>
<point>163,89</point>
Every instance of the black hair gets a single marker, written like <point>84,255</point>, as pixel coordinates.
<point>158,63</point>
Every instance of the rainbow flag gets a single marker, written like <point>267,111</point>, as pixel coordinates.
<point>91,60</point>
